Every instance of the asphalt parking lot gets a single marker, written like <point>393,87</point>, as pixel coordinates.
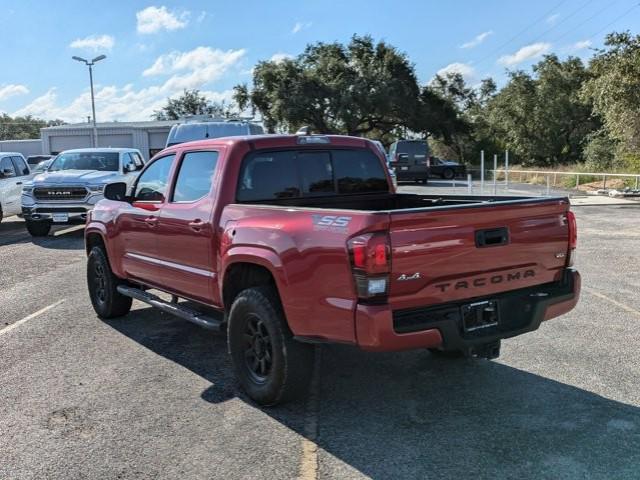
<point>151,396</point>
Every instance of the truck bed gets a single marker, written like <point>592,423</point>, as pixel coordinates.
<point>390,202</point>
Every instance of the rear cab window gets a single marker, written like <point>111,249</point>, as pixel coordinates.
<point>270,175</point>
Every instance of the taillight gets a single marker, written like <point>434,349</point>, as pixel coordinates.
<point>370,256</point>
<point>573,237</point>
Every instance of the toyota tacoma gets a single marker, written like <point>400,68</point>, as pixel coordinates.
<point>285,241</point>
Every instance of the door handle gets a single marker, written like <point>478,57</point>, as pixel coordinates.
<point>151,221</point>
<point>18,183</point>
<point>196,225</point>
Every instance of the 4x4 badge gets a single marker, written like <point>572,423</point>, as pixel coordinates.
<point>404,277</point>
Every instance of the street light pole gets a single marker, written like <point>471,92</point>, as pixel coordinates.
<point>90,64</point>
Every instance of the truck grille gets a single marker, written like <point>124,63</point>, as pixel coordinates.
<point>59,193</point>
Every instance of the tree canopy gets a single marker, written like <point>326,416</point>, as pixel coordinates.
<point>23,128</point>
<point>192,102</point>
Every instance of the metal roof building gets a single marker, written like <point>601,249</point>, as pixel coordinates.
<point>148,137</point>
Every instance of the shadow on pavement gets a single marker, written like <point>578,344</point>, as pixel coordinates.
<point>412,415</point>
<point>13,232</point>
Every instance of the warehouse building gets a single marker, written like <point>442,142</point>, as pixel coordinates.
<point>148,137</point>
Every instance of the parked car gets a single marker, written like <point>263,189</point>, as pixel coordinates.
<point>446,169</point>
<point>385,155</point>
<point>42,166</point>
<point>14,172</point>
<point>287,241</point>
<point>73,183</point>
<point>201,130</point>
<point>409,159</point>
<point>34,160</point>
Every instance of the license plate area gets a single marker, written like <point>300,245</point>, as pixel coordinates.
<point>60,217</point>
<point>480,316</point>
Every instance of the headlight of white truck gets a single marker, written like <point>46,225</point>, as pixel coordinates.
<point>97,188</point>
<point>27,189</point>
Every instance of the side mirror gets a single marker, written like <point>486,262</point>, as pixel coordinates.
<point>129,167</point>
<point>116,191</point>
<point>6,172</point>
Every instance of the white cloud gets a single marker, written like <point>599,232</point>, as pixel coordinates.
<point>280,57</point>
<point>477,40</point>
<point>201,18</point>
<point>11,90</point>
<point>153,19</point>
<point>581,45</point>
<point>94,42</point>
<point>528,52</point>
<point>551,19</point>
<point>112,103</point>
<point>197,69</point>
<point>464,69</point>
<point>300,26</point>
<point>201,65</point>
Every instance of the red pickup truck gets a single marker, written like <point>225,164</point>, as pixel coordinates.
<point>289,240</point>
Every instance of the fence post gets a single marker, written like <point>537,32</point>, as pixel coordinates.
<point>637,178</point>
<point>495,173</point>
<point>548,185</point>
<point>506,169</point>
<point>577,180</point>
<point>604,182</point>
<point>481,172</point>
<point>555,179</point>
<point>469,184</point>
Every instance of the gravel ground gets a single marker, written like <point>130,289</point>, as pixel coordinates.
<point>150,396</point>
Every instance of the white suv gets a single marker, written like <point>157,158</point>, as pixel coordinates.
<point>14,171</point>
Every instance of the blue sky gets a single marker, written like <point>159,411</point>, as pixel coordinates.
<point>156,49</point>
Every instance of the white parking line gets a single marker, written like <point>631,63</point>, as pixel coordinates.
<point>309,461</point>
<point>68,230</point>
<point>29,317</point>
<point>611,300</point>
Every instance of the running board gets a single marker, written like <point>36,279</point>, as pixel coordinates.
<point>186,313</point>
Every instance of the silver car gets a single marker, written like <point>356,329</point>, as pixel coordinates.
<point>73,183</point>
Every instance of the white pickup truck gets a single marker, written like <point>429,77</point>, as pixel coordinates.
<point>14,172</point>
<point>73,184</point>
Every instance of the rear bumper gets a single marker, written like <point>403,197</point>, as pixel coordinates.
<point>381,329</point>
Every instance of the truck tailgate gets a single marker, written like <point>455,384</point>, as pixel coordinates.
<point>459,253</point>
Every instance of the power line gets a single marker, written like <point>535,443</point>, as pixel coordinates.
<point>614,21</point>
<point>571,30</point>
<point>520,33</point>
<point>564,19</point>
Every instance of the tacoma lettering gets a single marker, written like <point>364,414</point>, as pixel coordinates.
<point>482,281</point>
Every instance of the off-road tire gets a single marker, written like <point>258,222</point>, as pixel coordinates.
<point>103,287</point>
<point>38,229</point>
<point>288,366</point>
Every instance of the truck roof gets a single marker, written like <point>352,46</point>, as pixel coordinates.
<point>105,149</point>
<point>277,141</point>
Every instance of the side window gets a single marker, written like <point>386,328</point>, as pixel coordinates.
<point>6,167</point>
<point>128,165</point>
<point>137,159</point>
<point>316,172</point>
<point>267,176</point>
<point>359,171</point>
<point>20,166</point>
<point>152,184</point>
<point>195,176</point>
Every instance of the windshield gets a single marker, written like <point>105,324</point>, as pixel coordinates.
<point>102,161</point>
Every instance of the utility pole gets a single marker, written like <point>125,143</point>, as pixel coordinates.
<point>90,64</point>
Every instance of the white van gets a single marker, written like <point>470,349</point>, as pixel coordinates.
<point>14,171</point>
<point>203,130</point>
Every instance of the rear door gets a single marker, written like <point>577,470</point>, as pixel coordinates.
<point>185,233</point>
<point>452,254</point>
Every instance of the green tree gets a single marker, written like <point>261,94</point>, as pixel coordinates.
<point>23,128</point>
<point>541,117</point>
<point>614,90</point>
<point>363,88</point>
<point>192,102</point>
